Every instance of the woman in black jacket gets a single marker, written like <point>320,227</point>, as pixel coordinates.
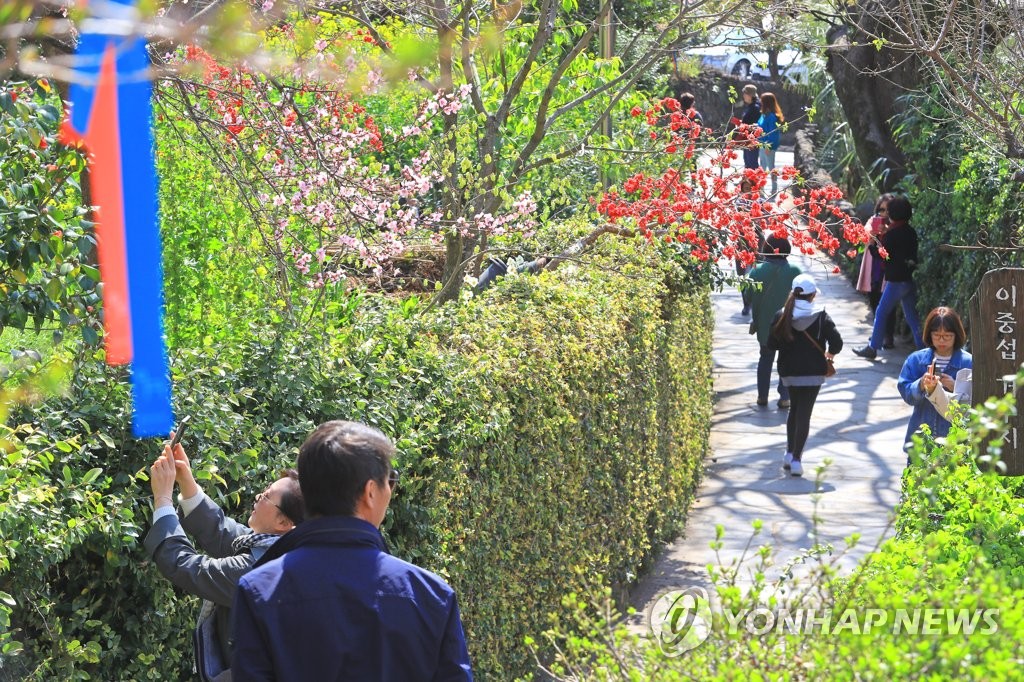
<point>900,244</point>
<point>751,113</point>
<point>805,336</point>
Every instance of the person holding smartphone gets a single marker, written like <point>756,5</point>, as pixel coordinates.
<point>231,548</point>
<point>934,368</point>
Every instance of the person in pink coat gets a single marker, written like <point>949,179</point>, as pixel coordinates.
<point>872,271</point>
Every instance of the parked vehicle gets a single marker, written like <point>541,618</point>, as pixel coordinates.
<point>735,55</point>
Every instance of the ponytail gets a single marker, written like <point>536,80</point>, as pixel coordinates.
<point>783,329</point>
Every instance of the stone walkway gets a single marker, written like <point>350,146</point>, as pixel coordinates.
<point>859,421</point>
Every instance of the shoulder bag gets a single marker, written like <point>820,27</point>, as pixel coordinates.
<point>830,369</point>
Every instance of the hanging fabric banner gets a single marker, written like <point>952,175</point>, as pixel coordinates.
<point>111,115</point>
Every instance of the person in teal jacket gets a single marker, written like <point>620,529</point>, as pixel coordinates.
<point>773,278</point>
<point>934,368</point>
<point>769,122</point>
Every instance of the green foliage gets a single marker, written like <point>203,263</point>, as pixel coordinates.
<point>549,429</point>
<point>961,195</point>
<point>958,547</point>
<point>46,275</point>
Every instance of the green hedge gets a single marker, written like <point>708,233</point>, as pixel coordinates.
<point>550,431</point>
<point>958,548</point>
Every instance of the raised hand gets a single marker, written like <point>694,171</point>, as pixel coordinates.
<point>161,479</point>
<point>183,472</point>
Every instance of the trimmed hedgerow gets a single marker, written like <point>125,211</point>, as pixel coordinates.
<point>549,431</point>
<point>942,600</point>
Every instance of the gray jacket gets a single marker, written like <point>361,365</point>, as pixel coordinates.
<point>212,576</point>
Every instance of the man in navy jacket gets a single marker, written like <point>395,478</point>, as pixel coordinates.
<point>327,602</point>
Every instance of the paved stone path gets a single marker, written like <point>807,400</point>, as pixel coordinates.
<point>859,421</point>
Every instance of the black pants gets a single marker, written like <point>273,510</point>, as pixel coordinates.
<point>798,426</point>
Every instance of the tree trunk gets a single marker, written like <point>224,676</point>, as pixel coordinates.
<point>869,82</point>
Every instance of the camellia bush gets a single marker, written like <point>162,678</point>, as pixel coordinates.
<point>549,431</point>
<point>48,277</point>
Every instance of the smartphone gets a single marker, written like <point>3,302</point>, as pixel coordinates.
<point>179,430</point>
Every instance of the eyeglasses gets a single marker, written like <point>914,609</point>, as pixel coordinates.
<point>393,477</point>
<point>945,336</point>
<point>263,496</point>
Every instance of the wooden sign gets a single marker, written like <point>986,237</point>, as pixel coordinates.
<point>997,347</point>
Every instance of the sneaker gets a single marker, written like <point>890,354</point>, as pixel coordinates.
<point>787,461</point>
<point>762,402</point>
<point>866,352</point>
<point>783,403</point>
<point>796,468</point>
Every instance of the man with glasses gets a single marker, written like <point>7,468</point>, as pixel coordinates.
<point>328,602</point>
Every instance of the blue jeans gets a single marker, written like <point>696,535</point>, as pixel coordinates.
<point>750,158</point>
<point>764,375</point>
<point>893,294</point>
<point>766,155</point>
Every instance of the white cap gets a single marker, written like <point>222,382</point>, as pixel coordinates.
<point>804,284</point>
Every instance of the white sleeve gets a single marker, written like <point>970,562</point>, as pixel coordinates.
<point>160,512</point>
<point>188,504</point>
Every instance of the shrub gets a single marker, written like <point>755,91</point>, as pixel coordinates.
<point>549,431</point>
<point>958,548</point>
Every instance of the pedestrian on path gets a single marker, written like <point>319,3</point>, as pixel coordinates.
<point>751,113</point>
<point>872,273</point>
<point>770,120</point>
<point>807,339</point>
<point>231,548</point>
<point>900,244</point>
<point>936,367</point>
<point>744,202</point>
<point>772,281</point>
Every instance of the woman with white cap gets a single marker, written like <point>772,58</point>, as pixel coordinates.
<point>806,339</point>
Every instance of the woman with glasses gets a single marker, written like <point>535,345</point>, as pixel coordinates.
<point>230,548</point>
<point>934,368</point>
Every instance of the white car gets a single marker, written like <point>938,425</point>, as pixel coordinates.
<point>736,58</point>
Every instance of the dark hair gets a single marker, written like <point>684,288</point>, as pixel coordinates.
<point>899,208</point>
<point>770,105</point>
<point>944,319</point>
<point>776,247</point>
<point>686,100</point>
<point>783,329</point>
<point>335,463</point>
<point>883,199</point>
<point>291,504</point>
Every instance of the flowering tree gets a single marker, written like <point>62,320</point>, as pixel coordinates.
<point>508,100</point>
<point>709,207</point>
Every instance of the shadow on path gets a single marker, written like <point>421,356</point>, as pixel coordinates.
<point>859,421</point>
